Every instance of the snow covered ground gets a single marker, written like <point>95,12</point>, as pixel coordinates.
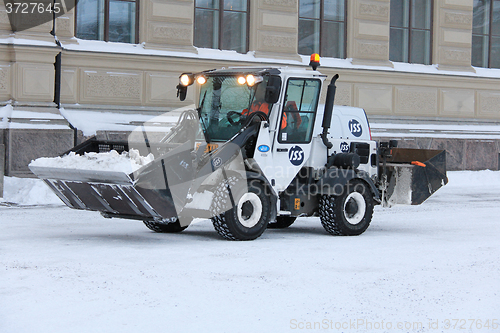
<point>428,268</point>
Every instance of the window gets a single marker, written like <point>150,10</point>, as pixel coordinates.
<point>108,20</point>
<point>322,27</point>
<point>486,34</point>
<point>411,31</point>
<point>225,103</point>
<point>221,24</point>
<point>299,111</point>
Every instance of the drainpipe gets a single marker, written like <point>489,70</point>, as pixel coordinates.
<point>57,81</point>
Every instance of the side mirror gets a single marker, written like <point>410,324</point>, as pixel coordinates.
<point>181,92</point>
<point>273,89</point>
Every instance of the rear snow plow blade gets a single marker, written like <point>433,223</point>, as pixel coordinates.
<point>413,175</point>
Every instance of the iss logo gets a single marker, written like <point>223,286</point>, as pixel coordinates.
<point>217,162</point>
<point>296,155</point>
<point>344,147</point>
<point>355,128</point>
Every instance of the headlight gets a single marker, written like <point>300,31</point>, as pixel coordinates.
<point>242,80</point>
<point>201,80</point>
<point>186,79</point>
<point>252,80</point>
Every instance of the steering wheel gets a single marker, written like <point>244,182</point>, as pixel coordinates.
<point>230,119</point>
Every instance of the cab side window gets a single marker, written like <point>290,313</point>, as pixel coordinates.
<point>299,110</point>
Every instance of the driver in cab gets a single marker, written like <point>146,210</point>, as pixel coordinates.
<point>259,104</point>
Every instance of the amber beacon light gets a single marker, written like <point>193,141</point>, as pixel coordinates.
<point>314,63</point>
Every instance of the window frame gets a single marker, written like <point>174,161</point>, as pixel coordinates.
<point>322,34</point>
<point>489,35</point>
<point>410,32</point>
<point>314,112</point>
<point>106,20</point>
<point>220,34</point>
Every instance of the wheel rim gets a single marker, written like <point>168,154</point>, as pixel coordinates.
<point>354,208</point>
<point>249,210</point>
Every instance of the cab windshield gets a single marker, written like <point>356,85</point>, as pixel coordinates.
<point>224,105</point>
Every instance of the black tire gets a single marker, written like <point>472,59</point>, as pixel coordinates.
<point>282,222</point>
<point>350,213</point>
<point>253,205</point>
<point>165,227</point>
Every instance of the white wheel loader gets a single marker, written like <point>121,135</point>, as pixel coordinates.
<point>257,152</point>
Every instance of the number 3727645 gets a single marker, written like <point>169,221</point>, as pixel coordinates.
<point>32,8</point>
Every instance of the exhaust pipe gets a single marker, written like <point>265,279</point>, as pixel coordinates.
<point>327,116</point>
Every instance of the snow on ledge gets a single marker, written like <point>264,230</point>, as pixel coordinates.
<point>77,44</point>
<point>213,54</point>
<point>27,42</point>
<point>444,131</point>
<point>89,122</point>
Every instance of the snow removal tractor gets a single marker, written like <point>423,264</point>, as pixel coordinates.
<point>257,152</point>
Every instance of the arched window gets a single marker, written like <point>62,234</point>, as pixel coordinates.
<point>322,27</point>
<point>221,24</point>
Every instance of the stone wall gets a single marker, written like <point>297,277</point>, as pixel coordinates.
<point>2,165</point>
<point>24,145</point>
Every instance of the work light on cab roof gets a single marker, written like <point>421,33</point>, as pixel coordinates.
<point>242,80</point>
<point>186,79</point>
<point>314,62</point>
<point>252,80</point>
<point>201,80</point>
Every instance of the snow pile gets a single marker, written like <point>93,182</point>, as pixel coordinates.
<point>5,114</point>
<point>28,191</point>
<point>111,161</point>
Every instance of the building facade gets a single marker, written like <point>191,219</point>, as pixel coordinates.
<point>408,63</point>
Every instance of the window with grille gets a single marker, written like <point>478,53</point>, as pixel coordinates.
<point>108,20</point>
<point>322,27</point>
<point>486,34</point>
<point>411,31</point>
<point>221,24</point>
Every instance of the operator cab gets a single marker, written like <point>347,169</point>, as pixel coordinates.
<point>229,97</point>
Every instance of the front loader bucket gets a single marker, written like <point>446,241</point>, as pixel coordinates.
<point>156,191</point>
<point>413,175</point>
<point>112,193</point>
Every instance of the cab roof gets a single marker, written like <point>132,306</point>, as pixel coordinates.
<point>265,70</point>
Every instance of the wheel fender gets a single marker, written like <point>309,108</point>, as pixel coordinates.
<point>270,193</point>
<point>335,179</point>
<point>364,176</point>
